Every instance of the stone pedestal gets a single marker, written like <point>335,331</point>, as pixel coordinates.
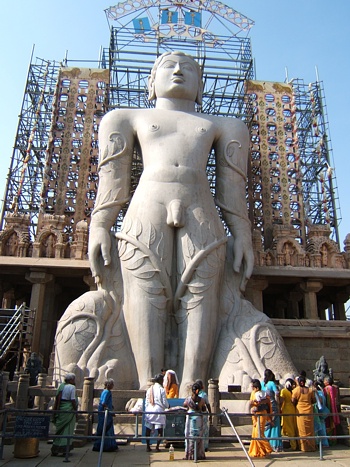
<point>24,447</point>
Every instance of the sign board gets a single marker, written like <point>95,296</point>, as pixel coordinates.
<point>32,426</point>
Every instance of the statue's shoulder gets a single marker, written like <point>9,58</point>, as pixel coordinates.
<point>122,118</point>
<point>227,122</point>
<point>120,114</point>
<point>230,127</point>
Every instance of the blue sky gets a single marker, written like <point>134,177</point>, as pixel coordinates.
<point>298,35</point>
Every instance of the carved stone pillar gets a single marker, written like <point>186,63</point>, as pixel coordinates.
<point>323,305</point>
<point>4,378</point>
<point>310,289</point>
<point>293,304</point>
<point>346,254</point>
<point>338,306</point>
<point>254,292</point>
<point>84,425</point>
<point>214,401</point>
<point>39,279</point>
<point>39,401</point>
<point>9,300</point>
<point>22,391</point>
<point>280,309</point>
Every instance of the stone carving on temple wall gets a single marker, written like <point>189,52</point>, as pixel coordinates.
<point>15,238</point>
<point>322,370</point>
<point>320,250</point>
<point>51,240</point>
<point>324,252</point>
<point>259,255</point>
<point>346,253</point>
<point>79,245</point>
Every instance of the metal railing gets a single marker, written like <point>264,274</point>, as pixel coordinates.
<point>17,327</point>
<point>7,433</point>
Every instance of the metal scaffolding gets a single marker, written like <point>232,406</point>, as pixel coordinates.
<point>25,176</point>
<point>217,37</point>
<point>320,193</point>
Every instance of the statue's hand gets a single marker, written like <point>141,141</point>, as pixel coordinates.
<point>243,255</point>
<point>99,247</point>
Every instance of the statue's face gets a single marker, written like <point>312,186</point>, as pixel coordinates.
<point>176,77</point>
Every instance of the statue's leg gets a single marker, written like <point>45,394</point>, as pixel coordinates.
<point>197,303</point>
<point>145,249</point>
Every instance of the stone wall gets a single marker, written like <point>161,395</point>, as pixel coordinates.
<point>308,340</point>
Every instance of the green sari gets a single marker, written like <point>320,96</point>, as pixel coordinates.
<point>64,420</point>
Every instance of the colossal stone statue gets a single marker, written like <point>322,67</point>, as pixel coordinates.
<point>172,294</point>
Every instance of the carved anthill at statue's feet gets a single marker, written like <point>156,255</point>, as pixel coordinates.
<point>248,342</point>
<point>91,338</point>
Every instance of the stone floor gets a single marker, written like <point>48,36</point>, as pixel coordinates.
<point>134,454</point>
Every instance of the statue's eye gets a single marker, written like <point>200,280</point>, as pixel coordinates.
<point>187,66</point>
<point>169,65</point>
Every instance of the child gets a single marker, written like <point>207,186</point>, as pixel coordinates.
<point>261,410</point>
<point>259,403</point>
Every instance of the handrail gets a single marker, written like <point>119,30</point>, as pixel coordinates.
<point>5,433</point>
<point>225,411</point>
<point>12,329</point>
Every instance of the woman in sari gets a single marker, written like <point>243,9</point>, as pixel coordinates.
<point>273,430</point>
<point>321,412</point>
<point>288,410</point>
<point>261,408</point>
<point>303,398</point>
<point>64,417</point>
<point>331,394</point>
<point>207,416</point>
<point>194,424</point>
<point>171,385</point>
<point>106,403</point>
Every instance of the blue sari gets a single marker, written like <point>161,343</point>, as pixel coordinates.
<point>273,431</point>
<point>109,443</point>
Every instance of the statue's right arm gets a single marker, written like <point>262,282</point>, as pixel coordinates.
<point>116,145</point>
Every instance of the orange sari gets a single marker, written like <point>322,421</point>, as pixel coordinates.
<point>305,400</point>
<point>259,447</point>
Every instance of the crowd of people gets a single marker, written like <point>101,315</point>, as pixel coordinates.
<point>303,412</point>
<point>301,409</point>
<point>166,386</point>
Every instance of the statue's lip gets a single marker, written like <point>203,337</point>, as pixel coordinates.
<point>177,79</point>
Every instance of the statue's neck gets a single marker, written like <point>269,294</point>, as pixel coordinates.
<point>182,105</point>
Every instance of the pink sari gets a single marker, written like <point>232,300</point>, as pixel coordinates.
<point>332,421</point>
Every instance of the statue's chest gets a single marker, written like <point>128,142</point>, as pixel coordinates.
<point>177,129</point>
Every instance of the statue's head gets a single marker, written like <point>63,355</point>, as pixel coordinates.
<point>181,59</point>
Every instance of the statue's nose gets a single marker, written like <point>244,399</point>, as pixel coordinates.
<point>177,69</point>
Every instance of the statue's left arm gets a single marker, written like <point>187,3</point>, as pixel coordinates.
<point>232,149</point>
